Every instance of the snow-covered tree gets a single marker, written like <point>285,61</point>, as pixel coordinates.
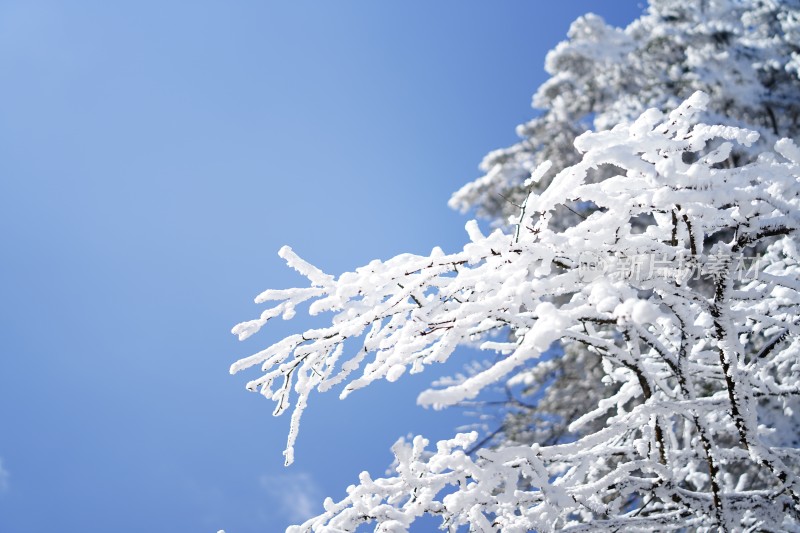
<point>745,54</point>
<point>639,294</point>
<point>695,340</point>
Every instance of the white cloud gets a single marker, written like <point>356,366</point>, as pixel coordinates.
<point>297,495</point>
<point>3,477</point>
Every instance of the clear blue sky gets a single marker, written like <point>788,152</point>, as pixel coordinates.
<point>154,156</point>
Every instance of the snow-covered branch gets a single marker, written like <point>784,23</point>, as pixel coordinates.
<point>680,278</point>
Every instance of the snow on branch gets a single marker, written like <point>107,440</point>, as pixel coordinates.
<point>698,343</point>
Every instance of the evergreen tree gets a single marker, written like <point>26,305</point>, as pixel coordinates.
<point>640,289</point>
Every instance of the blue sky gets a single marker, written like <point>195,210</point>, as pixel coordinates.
<point>154,156</point>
